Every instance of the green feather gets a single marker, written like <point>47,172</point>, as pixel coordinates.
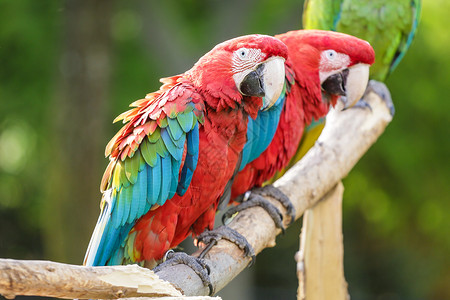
<point>175,129</point>
<point>118,173</point>
<point>161,148</point>
<point>123,178</point>
<point>185,120</point>
<point>130,245</point>
<point>142,163</point>
<point>132,167</point>
<point>126,206</point>
<point>388,25</point>
<point>162,122</point>
<point>156,135</point>
<point>148,152</point>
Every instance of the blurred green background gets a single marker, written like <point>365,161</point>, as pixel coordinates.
<point>69,67</point>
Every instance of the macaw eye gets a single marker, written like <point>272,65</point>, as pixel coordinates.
<point>242,53</point>
<point>330,54</point>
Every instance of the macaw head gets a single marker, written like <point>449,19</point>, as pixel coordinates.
<point>338,62</point>
<point>251,66</point>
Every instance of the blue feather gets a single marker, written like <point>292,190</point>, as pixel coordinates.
<point>180,142</point>
<point>248,145</point>
<point>115,238</point>
<point>185,120</point>
<point>176,152</point>
<point>261,131</point>
<point>125,206</point>
<point>190,161</point>
<point>174,128</point>
<point>155,185</point>
<point>193,140</point>
<point>166,174</point>
<point>116,217</point>
<point>143,181</point>
<point>186,174</point>
<point>174,179</point>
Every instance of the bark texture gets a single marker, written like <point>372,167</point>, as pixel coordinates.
<point>320,261</point>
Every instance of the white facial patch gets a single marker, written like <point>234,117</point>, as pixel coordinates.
<point>245,58</point>
<point>332,62</point>
<point>244,61</point>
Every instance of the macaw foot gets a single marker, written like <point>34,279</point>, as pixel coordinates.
<point>381,90</point>
<point>198,265</point>
<point>211,237</point>
<point>362,104</point>
<point>255,197</point>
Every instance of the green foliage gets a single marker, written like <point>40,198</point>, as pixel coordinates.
<point>396,231</point>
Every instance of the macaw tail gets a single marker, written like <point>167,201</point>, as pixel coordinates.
<point>103,219</point>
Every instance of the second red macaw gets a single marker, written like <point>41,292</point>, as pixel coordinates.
<point>324,67</point>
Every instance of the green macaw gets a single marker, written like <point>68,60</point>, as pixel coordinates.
<point>388,25</point>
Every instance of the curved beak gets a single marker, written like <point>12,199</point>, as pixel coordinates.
<point>266,80</point>
<point>349,83</point>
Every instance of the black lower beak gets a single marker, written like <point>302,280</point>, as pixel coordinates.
<point>335,84</point>
<point>252,85</point>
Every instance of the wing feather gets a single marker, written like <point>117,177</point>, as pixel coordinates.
<point>146,157</point>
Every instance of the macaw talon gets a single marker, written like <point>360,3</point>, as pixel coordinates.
<point>198,265</point>
<point>381,90</point>
<point>224,232</point>
<point>363,104</point>
<point>270,190</point>
<point>253,201</point>
<point>256,198</point>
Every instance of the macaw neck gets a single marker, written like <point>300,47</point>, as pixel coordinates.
<point>221,102</point>
<point>303,103</point>
<point>309,96</point>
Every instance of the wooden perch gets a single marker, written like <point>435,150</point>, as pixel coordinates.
<point>320,261</point>
<point>45,278</point>
<point>344,140</point>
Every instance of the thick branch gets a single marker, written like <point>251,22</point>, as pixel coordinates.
<point>44,278</point>
<point>345,139</point>
<point>320,261</point>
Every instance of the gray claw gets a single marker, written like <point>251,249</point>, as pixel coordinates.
<point>256,198</point>
<point>224,232</point>
<point>362,104</point>
<point>198,265</point>
<point>381,90</point>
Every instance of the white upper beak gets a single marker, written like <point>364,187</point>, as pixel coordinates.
<point>273,79</point>
<point>357,80</point>
<point>265,80</point>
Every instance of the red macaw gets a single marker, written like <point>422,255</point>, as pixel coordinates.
<point>325,66</point>
<point>171,161</point>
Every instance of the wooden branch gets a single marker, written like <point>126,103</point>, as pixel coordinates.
<point>345,139</point>
<point>320,261</point>
<point>45,278</point>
